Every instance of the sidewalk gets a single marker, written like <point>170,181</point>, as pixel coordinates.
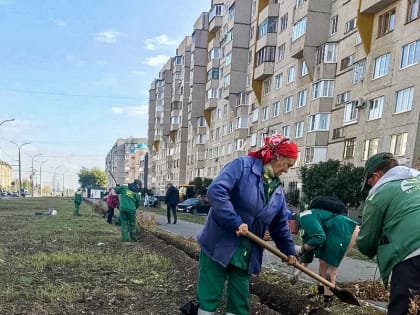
<point>350,269</point>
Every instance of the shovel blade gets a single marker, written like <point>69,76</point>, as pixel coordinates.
<point>345,296</point>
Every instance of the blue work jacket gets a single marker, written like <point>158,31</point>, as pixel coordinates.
<point>236,196</point>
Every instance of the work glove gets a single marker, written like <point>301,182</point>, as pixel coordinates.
<point>306,256</point>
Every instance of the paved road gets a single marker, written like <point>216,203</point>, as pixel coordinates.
<point>349,270</point>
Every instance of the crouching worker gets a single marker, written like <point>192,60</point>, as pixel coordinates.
<point>77,202</point>
<point>129,201</point>
<point>328,234</point>
<point>246,195</point>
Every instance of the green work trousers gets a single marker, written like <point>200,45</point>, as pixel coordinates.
<point>211,282</point>
<point>76,209</point>
<point>128,225</point>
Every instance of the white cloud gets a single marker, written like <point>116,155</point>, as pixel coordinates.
<point>158,42</point>
<point>131,110</point>
<point>156,61</point>
<point>138,72</point>
<point>109,36</point>
<point>59,22</point>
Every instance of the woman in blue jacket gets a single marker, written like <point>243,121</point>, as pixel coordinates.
<point>246,195</point>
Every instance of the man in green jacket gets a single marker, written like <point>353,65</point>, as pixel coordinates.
<point>390,227</point>
<point>129,201</point>
<point>77,202</point>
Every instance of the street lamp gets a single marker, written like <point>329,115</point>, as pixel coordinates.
<point>32,173</point>
<point>40,182</point>
<point>11,119</point>
<point>20,166</point>
<point>53,182</point>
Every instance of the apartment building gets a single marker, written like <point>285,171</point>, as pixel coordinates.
<point>123,161</point>
<point>5,175</point>
<point>338,77</point>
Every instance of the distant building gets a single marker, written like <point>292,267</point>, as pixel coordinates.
<point>123,160</point>
<point>5,175</point>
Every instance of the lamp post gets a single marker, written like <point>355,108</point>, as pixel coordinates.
<point>11,119</point>
<point>40,179</point>
<point>53,182</point>
<point>20,166</point>
<point>32,173</point>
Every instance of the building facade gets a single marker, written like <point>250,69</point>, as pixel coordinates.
<point>339,77</point>
<point>5,175</point>
<point>124,161</point>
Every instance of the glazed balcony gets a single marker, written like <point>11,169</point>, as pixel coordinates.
<point>374,6</point>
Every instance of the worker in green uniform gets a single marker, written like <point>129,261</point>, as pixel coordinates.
<point>77,202</point>
<point>129,201</point>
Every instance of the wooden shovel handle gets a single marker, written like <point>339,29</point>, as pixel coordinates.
<point>284,257</point>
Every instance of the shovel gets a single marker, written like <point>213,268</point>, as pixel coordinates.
<point>344,295</point>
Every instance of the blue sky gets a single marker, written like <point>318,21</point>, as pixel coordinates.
<point>75,75</point>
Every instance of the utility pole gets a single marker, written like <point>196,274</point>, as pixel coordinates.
<point>40,179</point>
<point>20,165</point>
<point>33,173</point>
<point>11,119</point>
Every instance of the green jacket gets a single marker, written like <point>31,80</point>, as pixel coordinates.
<point>390,219</point>
<point>329,233</point>
<point>77,197</point>
<point>128,199</point>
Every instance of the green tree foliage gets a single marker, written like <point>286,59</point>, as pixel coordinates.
<point>92,178</point>
<point>201,185</point>
<point>333,178</point>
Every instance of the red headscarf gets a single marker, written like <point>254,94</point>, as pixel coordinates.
<point>276,144</point>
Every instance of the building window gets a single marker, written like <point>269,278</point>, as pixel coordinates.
<point>343,98</point>
<point>326,54</point>
<point>266,54</point>
<point>267,86</point>
<point>359,71</point>
<point>214,53</point>
<point>410,54</point>
<point>241,122</point>
<point>290,74</point>
<point>380,68</point>
<point>276,109</point>
<point>213,74</point>
<point>338,133</point>
<point>269,25</point>
<point>286,131</point>
<point>346,62</point>
<point>324,88</point>
<point>278,80</point>
<point>309,155</point>
<point>398,144</point>
<point>265,113</point>
<point>212,93</point>
<point>303,69</point>
<point>386,23</point>
<point>231,12</point>
<point>350,112</point>
<point>370,148</point>
<point>349,146</point>
<point>375,108</point>
<point>253,139</point>
<point>404,100</point>
<point>350,25</point>
<point>413,10</point>
<point>255,115</point>
<point>228,59</point>
<point>319,122</point>
<point>226,81</point>
<point>301,98</point>
<point>299,129</point>
<point>299,29</point>
<point>300,3</point>
<point>283,23</point>
<point>334,24</point>
<point>357,39</point>
<point>288,103</point>
<point>281,49</point>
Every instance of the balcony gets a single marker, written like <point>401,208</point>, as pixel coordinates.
<point>272,9</point>
<point>374,6</point>
<point>325,71</point>
<point>269,39</point>
<point>213,63</point>
<point>264,70</point>
<point>211,104</point>
<point>297,47</point>
<point>215,23</point>
<point>241,133</point>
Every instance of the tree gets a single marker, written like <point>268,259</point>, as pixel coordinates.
<point>333,178</point>
<point>92,177</point>
<point>201,185</point>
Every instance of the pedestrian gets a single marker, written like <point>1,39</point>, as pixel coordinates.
<point>129,201</point>
<point>171,200</point>
<point>246,195</point>
<point>112,203</point>
<point>146,200</point>
<point>77,202</point>
<point>328,234</point>
<point>390,227</point>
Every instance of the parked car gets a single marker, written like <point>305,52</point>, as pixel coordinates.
<point>194,206</point>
